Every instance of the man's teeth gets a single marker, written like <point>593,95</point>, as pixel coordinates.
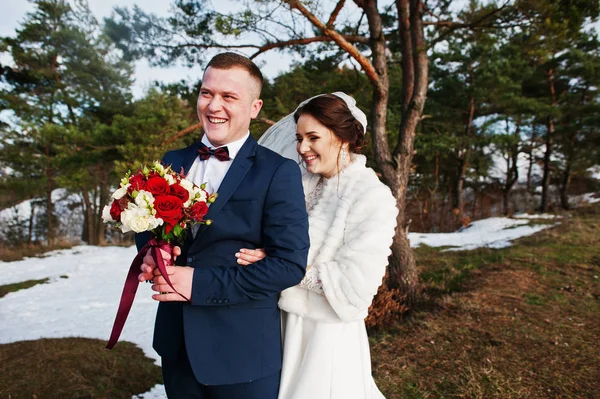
<point>217,120</point>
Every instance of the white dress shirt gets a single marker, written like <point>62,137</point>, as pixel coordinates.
<point>212,171</point>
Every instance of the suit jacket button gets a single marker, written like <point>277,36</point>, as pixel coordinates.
<point>226,300</point>
<point>191,258</point>
<point>208,301</point>
<point>220,301</point>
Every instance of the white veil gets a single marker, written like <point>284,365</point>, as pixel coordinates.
<point>281,137</point>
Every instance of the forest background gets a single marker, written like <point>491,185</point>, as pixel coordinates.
<point>476,109</point>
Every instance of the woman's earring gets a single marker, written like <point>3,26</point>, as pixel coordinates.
<point>343,156</point>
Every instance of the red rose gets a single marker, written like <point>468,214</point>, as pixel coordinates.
<point>138,182</point>
<point>178,191</point>
<point>170,209</point>
<point>157,185</point>
<point>198,211</point>
<point>115,210</point>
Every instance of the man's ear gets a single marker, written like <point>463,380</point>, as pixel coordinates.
<point>256,107</point>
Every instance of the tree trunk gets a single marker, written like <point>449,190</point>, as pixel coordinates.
<point>403,269</point>
<point>101,227</point>
<point>31,222</point>
<point>549,144</point>
<point>564,186</point>
<point>89,216</point>
<point>531,160</point>
<point>463,161</point>
<point>49,205</point>
<point>547,155</point>
<point>457,192</point>
<point>512,169</point>
<point>433,192</point>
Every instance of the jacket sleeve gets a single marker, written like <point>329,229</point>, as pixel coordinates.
<point>286,242</point>
<point>351,280</point>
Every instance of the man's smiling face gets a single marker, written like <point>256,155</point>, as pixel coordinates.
<point>227,102</point>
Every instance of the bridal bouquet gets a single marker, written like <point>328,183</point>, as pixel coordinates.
<point>160,201</point>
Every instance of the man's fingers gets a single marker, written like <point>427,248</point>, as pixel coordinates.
<point>168,297</point>
<point>161,286</point>
<point>165,255</point>
<point>158,277</point>
<point>149,260</point>
<point>147,269</point>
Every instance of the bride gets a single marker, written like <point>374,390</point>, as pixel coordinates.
<point>352,217</point>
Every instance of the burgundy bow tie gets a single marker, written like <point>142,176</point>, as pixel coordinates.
<point>221,153</point>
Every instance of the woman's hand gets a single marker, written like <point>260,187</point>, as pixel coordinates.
<point>248,256</point>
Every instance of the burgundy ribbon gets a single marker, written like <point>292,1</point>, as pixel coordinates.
<point>131,284</point>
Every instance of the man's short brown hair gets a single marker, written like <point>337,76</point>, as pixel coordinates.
<point>233,60</point>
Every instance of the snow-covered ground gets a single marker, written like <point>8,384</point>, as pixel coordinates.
<point>492,233</point>
<point>85,284</point>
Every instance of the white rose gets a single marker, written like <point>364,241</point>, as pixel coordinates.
<point>121,192</point>
<point>170,179</point>
<point>189,186</point>
<point>106,218</point>
<point>138,219</point>
<point>200,195</point>
<point>196,195</point>
<point>144,199</point>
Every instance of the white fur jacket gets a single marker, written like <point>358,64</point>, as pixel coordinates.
<point>351,230</point>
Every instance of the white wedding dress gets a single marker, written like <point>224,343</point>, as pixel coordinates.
<point>326,360</point>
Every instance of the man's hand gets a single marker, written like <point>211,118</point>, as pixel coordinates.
<point>148,267</point>
<point>181,277</point>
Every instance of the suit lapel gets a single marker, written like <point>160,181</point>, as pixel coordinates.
<point>191,153</point>
<point>236,173</point>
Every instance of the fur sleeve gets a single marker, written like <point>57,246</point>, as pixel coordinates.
<point>350,281</point>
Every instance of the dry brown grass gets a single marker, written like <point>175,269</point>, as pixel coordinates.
<point>522,322</point>
<point>74,368</point>
<point>18,252</point>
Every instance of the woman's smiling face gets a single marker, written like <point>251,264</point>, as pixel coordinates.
<point>318,146</point>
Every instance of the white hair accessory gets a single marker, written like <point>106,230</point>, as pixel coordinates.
<point>356,112</point>
<point>281,137</point>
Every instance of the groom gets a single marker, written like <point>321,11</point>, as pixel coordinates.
<point>226,342</point>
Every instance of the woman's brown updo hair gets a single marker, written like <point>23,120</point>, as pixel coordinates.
<point>333,113</point>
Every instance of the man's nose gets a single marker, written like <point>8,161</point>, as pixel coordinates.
<point>215,104</point>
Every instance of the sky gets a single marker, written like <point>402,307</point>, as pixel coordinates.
<point>46,310</point>
<point>13,13</point>
<point>271,63</point>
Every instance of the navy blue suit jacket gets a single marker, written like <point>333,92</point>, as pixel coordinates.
<point>232,326</point>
